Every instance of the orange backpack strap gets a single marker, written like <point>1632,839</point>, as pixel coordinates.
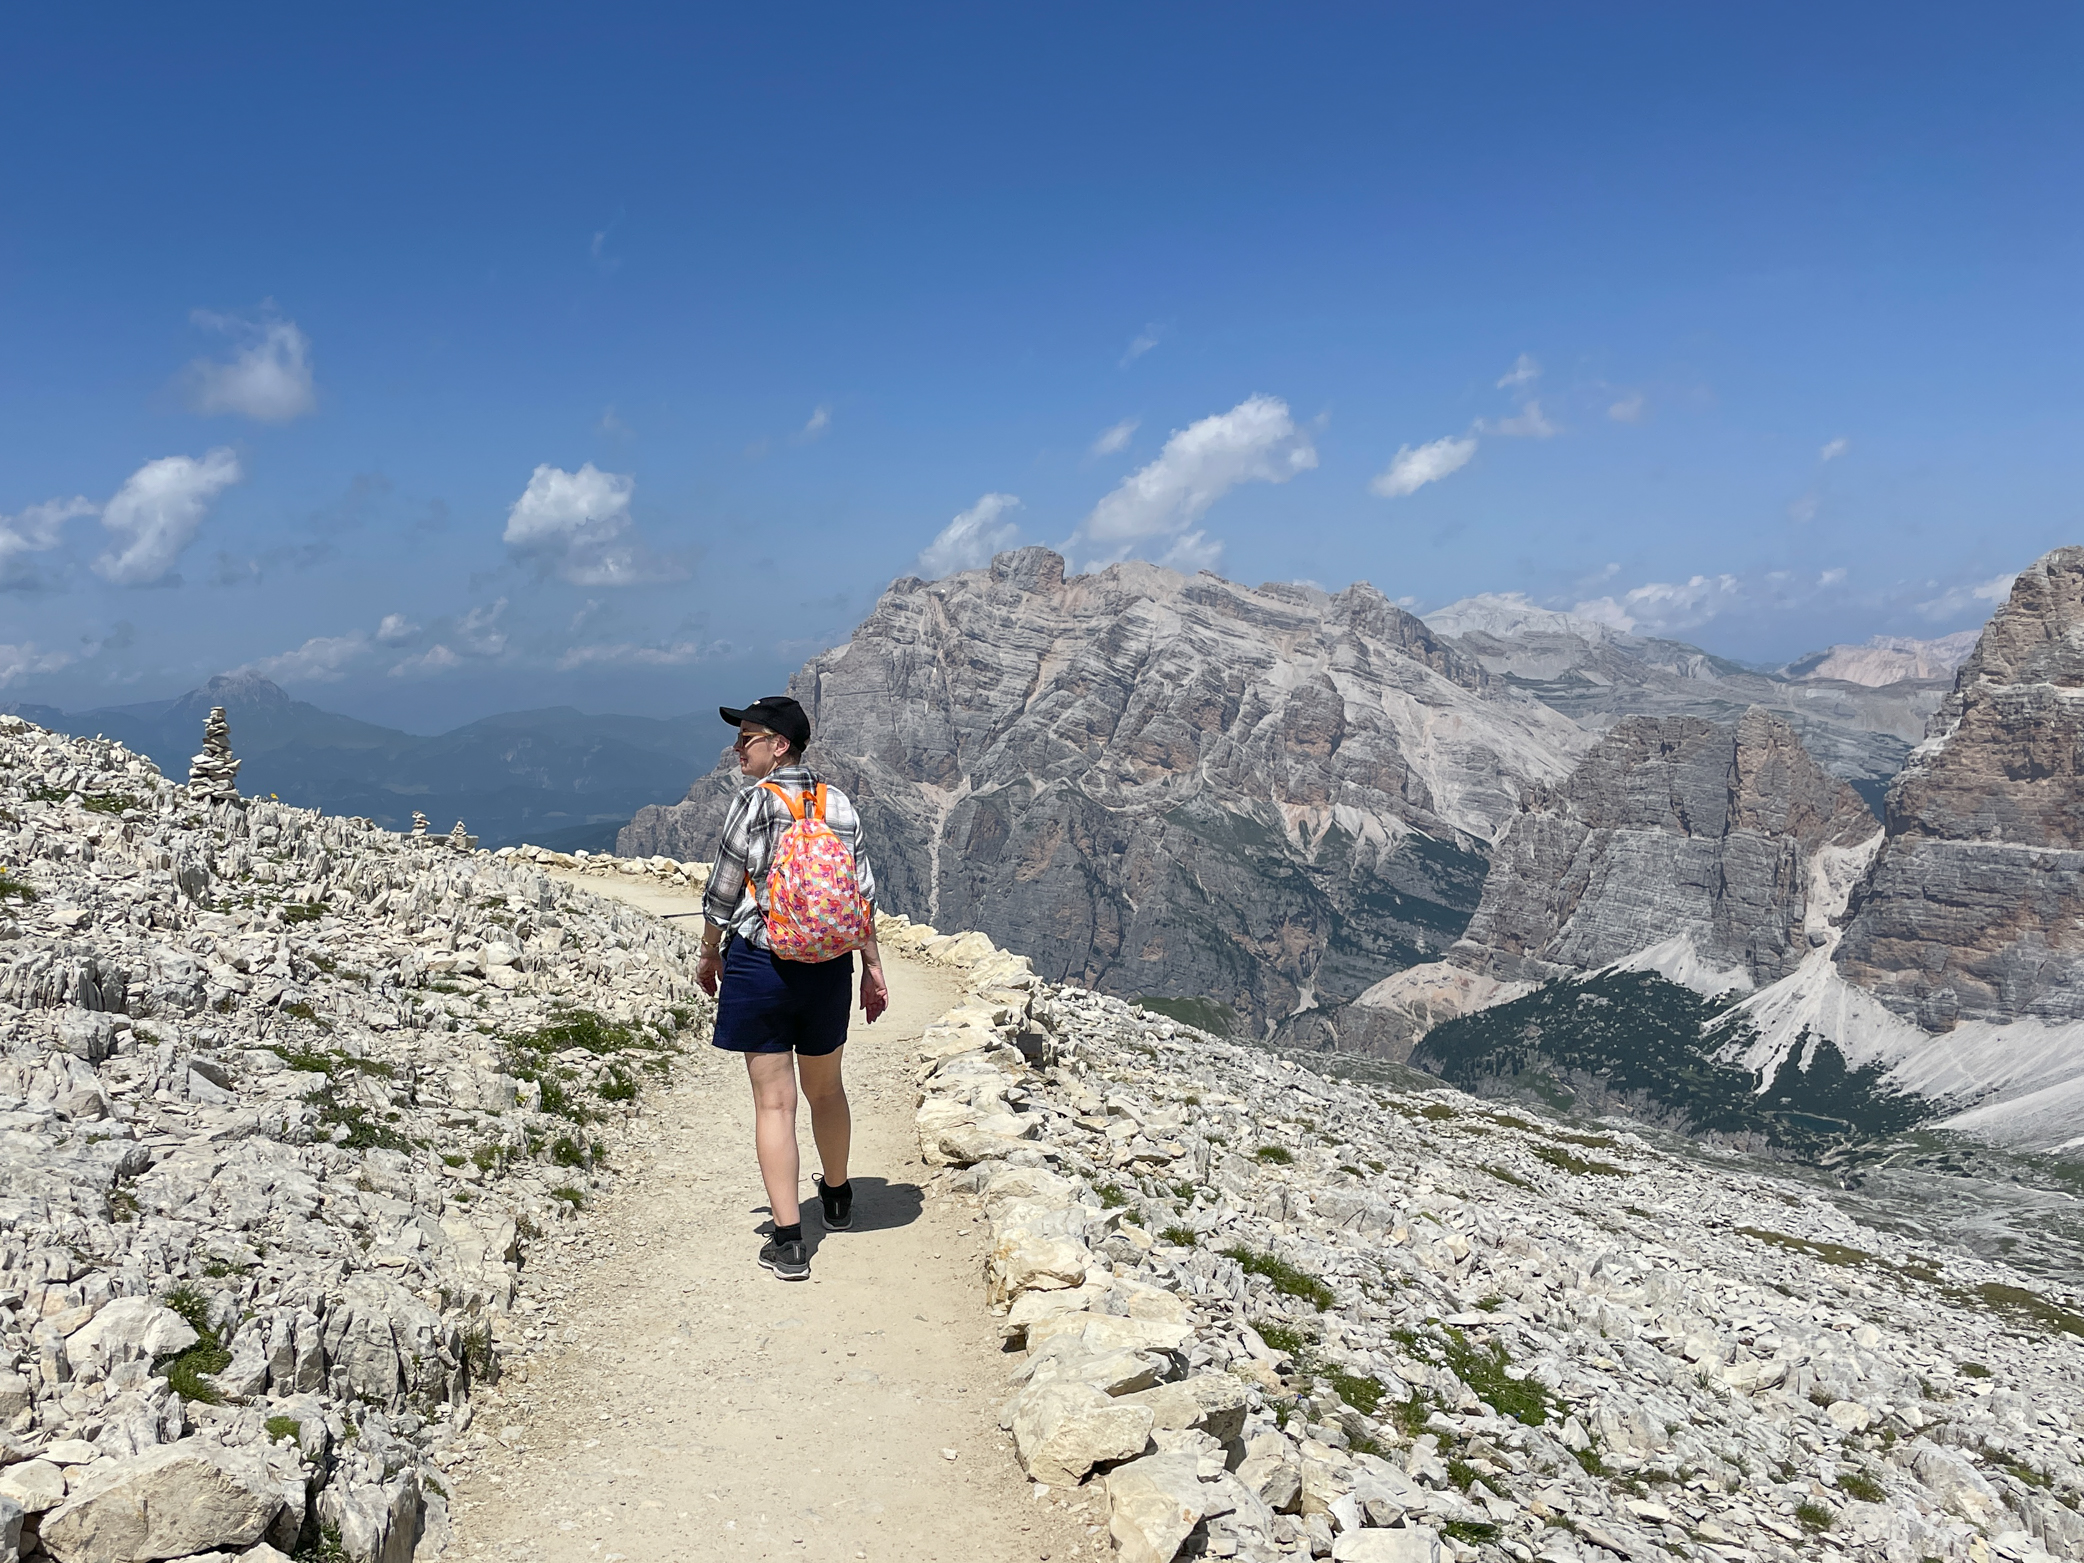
<point>793,805</point>
<point>820,802</point>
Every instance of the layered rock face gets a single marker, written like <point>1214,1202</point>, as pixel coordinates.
<point>1671,827</point>
<point>1857,723</point>
<point>1974,909</point>
<point>1711,852</point>
<point>1165,785</point>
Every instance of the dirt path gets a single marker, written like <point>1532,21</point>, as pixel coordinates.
<point>696,1407</point>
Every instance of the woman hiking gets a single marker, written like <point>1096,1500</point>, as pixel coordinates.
<point>784,910</point>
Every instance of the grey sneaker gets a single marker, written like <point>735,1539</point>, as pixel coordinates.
<point>838,1203</point>
<point>790,1261</point>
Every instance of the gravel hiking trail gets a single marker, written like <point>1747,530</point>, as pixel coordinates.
<point>693,1406</point>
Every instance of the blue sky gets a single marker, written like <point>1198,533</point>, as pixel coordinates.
<point>1757,326</point>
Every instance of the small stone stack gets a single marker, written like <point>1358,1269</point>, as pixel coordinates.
<point>458,839</point>
<point>214,774</point>
<point>419,823</point>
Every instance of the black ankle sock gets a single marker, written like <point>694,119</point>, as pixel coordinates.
<point>838,1191</point>
<point>788,1234</point>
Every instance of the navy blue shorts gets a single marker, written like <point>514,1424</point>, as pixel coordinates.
<point>768,1005</point>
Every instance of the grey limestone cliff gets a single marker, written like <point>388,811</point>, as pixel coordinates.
<point>1693,841</point>
<point>1974,909</point>
<point>1166,785</point>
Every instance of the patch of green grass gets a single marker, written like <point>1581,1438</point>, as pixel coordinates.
<point>1829,1253</point>
<point>1363,1394</point>
<point>1561,1159</point>
<point>363,1132</point>
<point>453,1160</point>
<point>1482,1367</point>
<point>302,911</point>
<point>2030,1307</point>
<point>1275,1155</point>
<point>1972,1370</point>
<point>618,1087</point>
<point>1182,1237</point>
<point>1184,1191</point>
<point>1861,1485</point>
<point>281,1427</point>
<point>1475,1532</point>
<point>1438,1112</point>
<point>1286,1279</point>
<point>2032,1476</point>
<point>184,1370</point>
<point>1282,1337</point>
<point>1111,1196</point>
<point>15,890</point>
<point>1351,1172</point>
<point>1814,1516</point>
<point>1462,1474</point>
<point>487,1156</point>
<point>1217,1019</point>
<point>1589,1461</point>
<point>328,1548</point>
<point>581,1028</point>
<point>571,1196</point>
<point>44,794</point>
<point>1503,1175</point>
<point>565,1151</point>
<point>303,1011</point>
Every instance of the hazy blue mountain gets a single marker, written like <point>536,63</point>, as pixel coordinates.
<point>556,776</point>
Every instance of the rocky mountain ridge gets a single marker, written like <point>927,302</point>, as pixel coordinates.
<point>1170,786</point>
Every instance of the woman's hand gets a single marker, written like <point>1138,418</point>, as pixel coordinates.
<point>709,966</point>
<point>875,991</point>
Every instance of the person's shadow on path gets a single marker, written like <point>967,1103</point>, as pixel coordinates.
<point>879,1206</point>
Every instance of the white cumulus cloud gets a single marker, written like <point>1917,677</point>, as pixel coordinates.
<point>156,512</point>
<point>1661,606</point>
<point>1960,599</point>
<point>323,659</point>
<point>670,654</point>
<point>969,541</point>
<point>1629,409</point>
<point>35,530</point>
<point>1834,449</point>
<point>268,376</point>
<point>437,658</point>
<point>1115,438</point>
<point>576,526</point>
<point>1256,441</point>
<point>396,628</point>
<point>1414,466</point>
<point>20,662</point>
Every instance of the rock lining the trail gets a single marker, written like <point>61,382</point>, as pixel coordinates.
<point>1371,1324</point>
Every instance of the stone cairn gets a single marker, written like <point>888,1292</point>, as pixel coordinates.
<point>459,840</point>
<point>419,823</point>
<point>214,773</point>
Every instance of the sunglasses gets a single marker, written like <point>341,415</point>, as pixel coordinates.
<point>746,740</point>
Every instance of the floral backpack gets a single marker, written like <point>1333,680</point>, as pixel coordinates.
<point>815,908</point>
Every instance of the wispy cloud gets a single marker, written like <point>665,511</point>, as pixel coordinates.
<point>597,251</point>
<point>1834,449</point>
<point>820,421</point>
<point>1524,371</point>
<point>1529,423</point>
<point>268,377</point>
<point>1142,343</point>
<point>1628,409</point>
<point>576,526</point>
<point>1115,438</point>
<point>969,541</point>
<point>665,654</point>
<point>1662,606</point>
<point>24,661</point>
<point>1981,597</point>
<point>156,512</point>
<point>396,629</point>
<point>37,529</point>
<point>611,424</point>
<point>1256,441</point>
<point>323,659</point>
<point>1413,467</point>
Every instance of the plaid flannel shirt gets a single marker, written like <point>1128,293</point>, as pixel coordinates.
<point>736,899</point>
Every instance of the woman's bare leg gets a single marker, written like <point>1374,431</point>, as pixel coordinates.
<point>831,1120</point>
<point>773,1078</point>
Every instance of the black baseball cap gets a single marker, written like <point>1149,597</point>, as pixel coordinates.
<point>776,713</point>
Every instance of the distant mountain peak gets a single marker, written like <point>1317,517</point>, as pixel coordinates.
<point>1510,614</point>
<point>1887,659</point>
<point>241,689</point>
